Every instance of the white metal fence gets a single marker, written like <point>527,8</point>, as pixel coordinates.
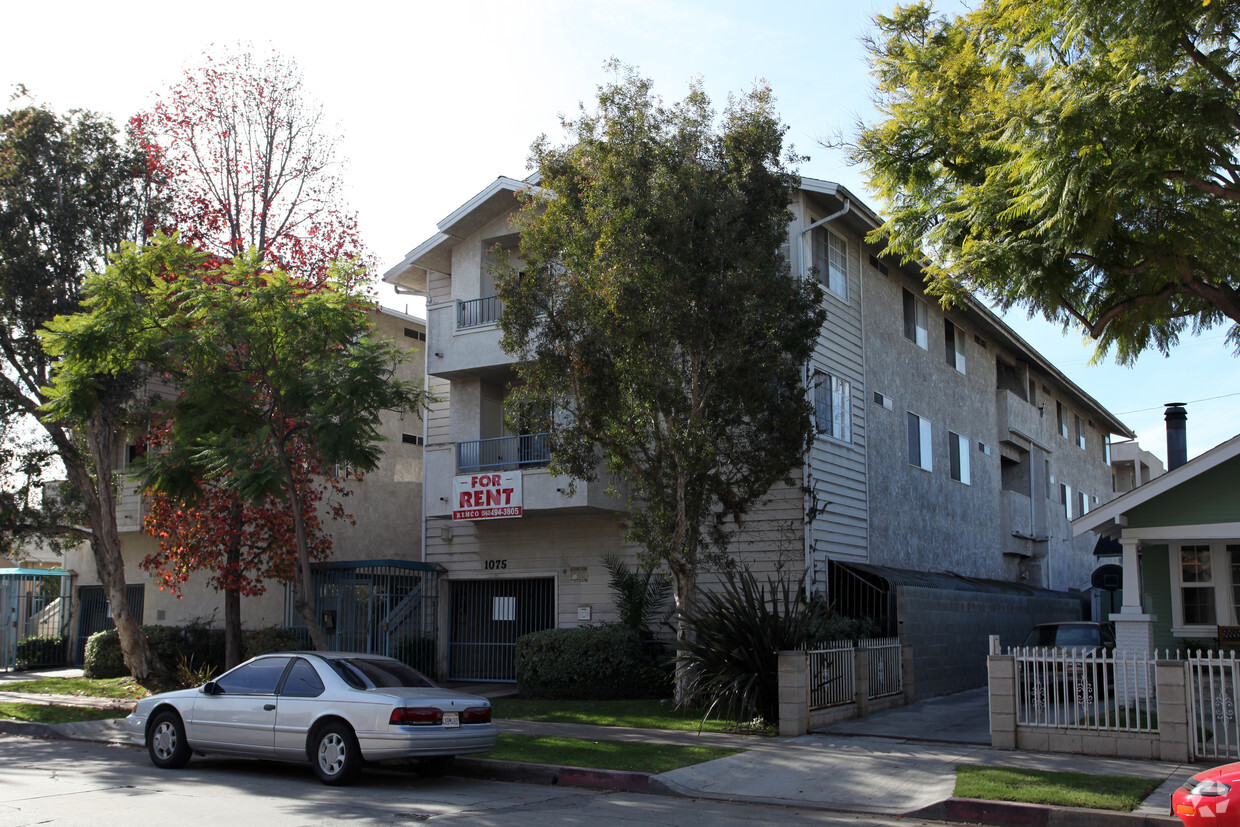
<point>1212,703</point>
<point>1086,689</point>
<point>833,673</point>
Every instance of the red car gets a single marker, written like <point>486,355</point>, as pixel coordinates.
<point>1210,798</point>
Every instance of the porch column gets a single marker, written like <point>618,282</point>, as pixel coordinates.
<point>1134,629</point>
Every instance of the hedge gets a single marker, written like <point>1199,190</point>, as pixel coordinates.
<point>40,650</point>
<point>195,643</point>
<point>590,663</point>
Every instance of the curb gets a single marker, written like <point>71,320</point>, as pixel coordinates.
<point>554,775</point>
<point>1011,814</point>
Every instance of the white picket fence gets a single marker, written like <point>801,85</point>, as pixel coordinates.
<point>1117,692</point>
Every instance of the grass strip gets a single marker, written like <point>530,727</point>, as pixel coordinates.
<point>121,688</point>
<point>626,756</point>
<point>1064,789</point>
<point>644,714</point>
<point>55,714</point>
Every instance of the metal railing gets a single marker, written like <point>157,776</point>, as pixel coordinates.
<point>475,312</point>
<point>503,453</point>
<point>832,671</point>
<point>1090,689</point>
<point>1214,696</point>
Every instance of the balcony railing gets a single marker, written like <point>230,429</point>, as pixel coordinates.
<point>475,312</point>
<point>503,454</point>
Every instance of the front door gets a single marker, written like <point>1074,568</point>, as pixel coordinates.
<point>487,618</point>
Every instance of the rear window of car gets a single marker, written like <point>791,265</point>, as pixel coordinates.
<point>1077,636</point>
<point>363,673</point>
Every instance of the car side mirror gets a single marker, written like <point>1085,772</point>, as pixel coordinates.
<point>209,688</point>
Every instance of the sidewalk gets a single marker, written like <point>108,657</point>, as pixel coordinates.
<point>867,766</point>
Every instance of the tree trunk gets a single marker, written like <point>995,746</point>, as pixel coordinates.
<point>684,585</point>
<point>304,580</point>
<point>232,594</point>
<point>105,543</point>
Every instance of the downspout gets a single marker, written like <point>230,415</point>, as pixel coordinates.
<point>831,217</point>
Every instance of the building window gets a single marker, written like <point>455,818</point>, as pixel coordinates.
<point>833,406</point>
<point>958,454</point>
<point>1106,449</point>
<point>831,261</point>
<point>1061,417</point>
<point>411,439</point>
<point>953,338</point>
<point>1082,503</point>
<point>916,326</point>
<point>1197,586</point>
<point>1065,499</point>
<point>880,399</point>
<point>415,334</point>
<point>1233,558</point>
<point>919,452</point>
<point>1080,432</point>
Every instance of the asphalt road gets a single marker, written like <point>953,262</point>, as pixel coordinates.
<point>79,783</point>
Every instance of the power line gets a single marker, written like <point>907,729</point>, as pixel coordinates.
<point>1193,402</point>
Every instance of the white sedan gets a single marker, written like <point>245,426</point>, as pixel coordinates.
<point>333,709</point>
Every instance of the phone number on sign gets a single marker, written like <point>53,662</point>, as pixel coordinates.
<point>483,513</point>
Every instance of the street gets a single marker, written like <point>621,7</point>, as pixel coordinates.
<point>81,783</point>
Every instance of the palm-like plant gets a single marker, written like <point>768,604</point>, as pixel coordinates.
<point>641,594</point>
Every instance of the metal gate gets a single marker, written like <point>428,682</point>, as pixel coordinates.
<point>381,607</point>
<point>96,614</point>
<point>35,607</point>
<point>487,618</point>
<point>1214,696</point>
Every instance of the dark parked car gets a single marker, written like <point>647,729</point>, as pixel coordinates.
<point>1075,634</point>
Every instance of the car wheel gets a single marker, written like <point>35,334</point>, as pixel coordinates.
<point>435,765</point>
<point>334,753</point>
<point>166,743</point>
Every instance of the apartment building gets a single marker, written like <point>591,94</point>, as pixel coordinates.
<point>949,459</point>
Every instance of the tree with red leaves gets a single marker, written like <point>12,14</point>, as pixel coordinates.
<point>252,164</point>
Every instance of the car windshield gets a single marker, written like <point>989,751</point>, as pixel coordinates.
<point>1063,635</point>
<point>365,673</point>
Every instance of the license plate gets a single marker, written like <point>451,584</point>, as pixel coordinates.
<point>451,719</point>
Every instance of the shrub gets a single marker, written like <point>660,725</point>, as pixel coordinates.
<point>417,651</point>
<point>738,631</point>
<point>589,663</point>
<point>271,639</point>
<point>40,650</point>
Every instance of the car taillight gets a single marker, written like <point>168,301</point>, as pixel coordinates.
<point>476,715</point>
<point>416,716</point>
<point>1206,786</point>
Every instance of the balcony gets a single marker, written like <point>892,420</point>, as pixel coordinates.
<point>1016,416</point>
<point>476,312</point>
<point>506,453</point>
<point>463,337</point>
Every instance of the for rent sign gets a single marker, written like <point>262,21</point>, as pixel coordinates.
<point>487,496</point>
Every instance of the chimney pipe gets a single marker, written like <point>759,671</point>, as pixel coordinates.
<point>1177,435</point>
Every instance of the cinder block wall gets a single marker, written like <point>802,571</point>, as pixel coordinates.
<point>949,631</point>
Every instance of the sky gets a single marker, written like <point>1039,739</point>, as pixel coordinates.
<point>435,100</point>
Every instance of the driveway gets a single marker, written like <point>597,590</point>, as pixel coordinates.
<point>962,718</point>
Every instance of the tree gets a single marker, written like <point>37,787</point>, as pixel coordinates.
<point>210,528</point>
<point>266,366</point>
<point>652,307</point>
<point>251,163</point>
<point>70,193</point>
<point>1077,158</point>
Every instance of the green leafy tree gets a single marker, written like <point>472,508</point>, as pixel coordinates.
<point>652,306</point>
<point>1074,157</point>
<point>266,366</point>
<point>70,193</point>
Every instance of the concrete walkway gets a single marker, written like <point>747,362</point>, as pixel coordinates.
<point>898,762</point>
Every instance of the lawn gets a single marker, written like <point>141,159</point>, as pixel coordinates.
<point>56,714</point>
<point>602,755</point>
<point>644,714</point>
<point>1064,789</point>
<point>120,688</point>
